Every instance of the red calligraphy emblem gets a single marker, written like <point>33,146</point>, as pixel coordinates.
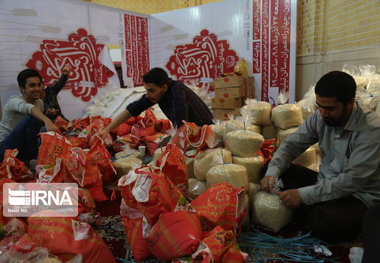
<point>206,58</point>
<point>81,52</point>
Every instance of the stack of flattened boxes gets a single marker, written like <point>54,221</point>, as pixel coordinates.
<point>230,94</point>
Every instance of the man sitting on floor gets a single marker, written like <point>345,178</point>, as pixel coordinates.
<point>331,203</point>
<point>22,118</point>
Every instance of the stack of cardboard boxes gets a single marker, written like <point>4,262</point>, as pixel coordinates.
<point>230,95</point>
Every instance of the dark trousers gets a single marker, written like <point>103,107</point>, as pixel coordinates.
<point>335,220</point>
<point>24,138</point>
<point>371,233</point>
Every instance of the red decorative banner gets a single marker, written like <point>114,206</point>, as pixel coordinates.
<point>136,47</point>
<point>203,60</point>
<point>265,51</point>
<point>271,46</point>
<point>81,52</point>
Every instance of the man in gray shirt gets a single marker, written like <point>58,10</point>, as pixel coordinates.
<point>22,118</point>
<point>331,203</point>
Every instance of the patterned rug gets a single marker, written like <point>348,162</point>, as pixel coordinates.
<point>111,230</point>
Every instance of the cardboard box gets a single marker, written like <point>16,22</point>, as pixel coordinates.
<point>226,103</point>
<point>222,114</point>
<point>231,92</point>
<point>230,81</point>
<point>250,88</point>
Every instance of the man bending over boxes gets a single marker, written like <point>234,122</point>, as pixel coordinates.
<point>331,203</point>
<point>22,118</point>
<point>176,100</point>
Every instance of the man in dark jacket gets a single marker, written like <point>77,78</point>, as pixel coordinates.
<point>49,96</point>
<point>177,101</point>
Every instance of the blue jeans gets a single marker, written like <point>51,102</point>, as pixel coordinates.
<point>24,138</point>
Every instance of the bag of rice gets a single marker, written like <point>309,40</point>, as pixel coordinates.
<point>190,163</point>
<point>269,132</point>
<point>245,223</point>
<point>208,159</point>
<point>284,133</point>
<point>124,165</point>
<point>196,188</point>
<point>254,165</point>
<point>253,190</point>
<point>243,143</point>
<point>286,116</point>
<point>258,111</point>
<point>232,125</point>
<point>218,131</point>
<point>307,158</point>
<point>234,174</point>
<point>268,211</point>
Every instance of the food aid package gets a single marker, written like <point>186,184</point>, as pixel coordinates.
<point>254,165</point>
<point>258,111</point>
<point>207,159</point>
<point>286,116</point>
<point>174,235</point>
<point>221,205</point>
<point>219,245</point>
<point>196,188</point>
<point>234,174</point>
<point>243,143</point>
<point>269,212</point>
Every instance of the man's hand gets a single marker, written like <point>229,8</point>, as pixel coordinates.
<point>290,198</point>
<point>66,69</point>
<point>104,135</point>
<point>50,126</point>
<point>265,183</point>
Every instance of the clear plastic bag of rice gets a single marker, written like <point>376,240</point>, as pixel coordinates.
<point>253,164</point>
<point>209,158</point>
<point>258,111</point>
<point>283,134</point>
<point>243,143</point>
<point>286,116</point>
<point>269,131</point>
<point>239,124</point>
<point>269,212</point>
<point>234,174</point>
<point>196,188</point>
<point>124,165</point>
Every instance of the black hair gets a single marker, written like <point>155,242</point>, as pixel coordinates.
<point>27,73</point>
<point>336,84</point>
<point>158,76</point>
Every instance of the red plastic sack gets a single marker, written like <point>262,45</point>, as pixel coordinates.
<point>140,132</point>
<point>122,129</point>
<point>172,163</point>
<point>267,149</point>
<point>174,235</point>
<point>221,205</point>
<point>129,139</point>
<point>153,141</point>
<point>219,245</point>
<point>152,193</point>
<point>100,155</point>
<point>61,124</point>
<point>13,168</point>
<point>191,135</point>
<point>133,223</point>
<point>163,125</point>
<point>53,146</point>
<point>66,237</point>
<point>78,124</point>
